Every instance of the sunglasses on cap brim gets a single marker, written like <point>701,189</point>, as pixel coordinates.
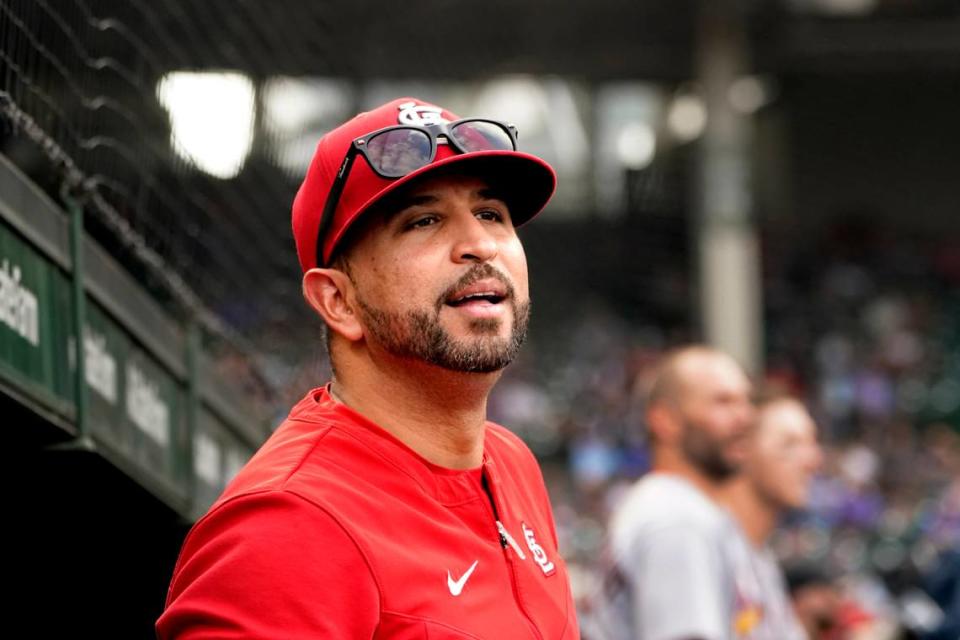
<point>398,151</point>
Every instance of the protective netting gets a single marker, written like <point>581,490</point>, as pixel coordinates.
<point>81,104</point>
<point>85,77</point>
<point>88,97</point>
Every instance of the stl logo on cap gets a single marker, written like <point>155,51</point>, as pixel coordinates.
<point>420,114</point>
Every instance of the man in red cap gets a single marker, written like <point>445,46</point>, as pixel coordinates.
<point>386,506</point>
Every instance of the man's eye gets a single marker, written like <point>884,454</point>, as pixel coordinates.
<point>490,214</point>
<point>422,221</point>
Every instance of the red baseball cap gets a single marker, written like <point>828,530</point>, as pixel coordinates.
<point>527,181</point>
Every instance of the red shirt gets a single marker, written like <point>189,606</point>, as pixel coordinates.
<point>336,529</point>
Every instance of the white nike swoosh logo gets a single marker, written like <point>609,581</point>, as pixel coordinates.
<point>456,586</point>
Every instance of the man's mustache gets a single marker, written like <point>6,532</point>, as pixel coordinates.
<point>476,273</point>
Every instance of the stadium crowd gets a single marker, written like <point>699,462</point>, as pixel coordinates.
<point>870,339</point>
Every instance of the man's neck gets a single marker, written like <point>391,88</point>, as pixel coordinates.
<point>440,414</point>
<point>756,516</point>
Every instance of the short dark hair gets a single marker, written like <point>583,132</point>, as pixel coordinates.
<point>666,382</point>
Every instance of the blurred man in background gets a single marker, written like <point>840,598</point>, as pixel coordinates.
<point>827,609</point>
<point>783,456</point>
<point>386,506</point>
<point>670,573</point>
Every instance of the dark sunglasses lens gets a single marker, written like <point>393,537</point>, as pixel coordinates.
<point>397,152</point>
<point>482,136</point>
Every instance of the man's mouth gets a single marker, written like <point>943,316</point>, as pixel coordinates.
<point>484,296</point>
<point>487,291</point>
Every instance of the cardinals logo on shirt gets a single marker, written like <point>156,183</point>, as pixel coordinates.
<point>747,617</point>
<point>539,555</point>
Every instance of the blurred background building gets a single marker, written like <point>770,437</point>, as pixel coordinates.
<point>777,177</point>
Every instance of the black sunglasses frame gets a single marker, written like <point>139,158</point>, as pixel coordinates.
<point>359,147</point>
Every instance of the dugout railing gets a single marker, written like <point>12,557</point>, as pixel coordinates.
<point>150,402</point>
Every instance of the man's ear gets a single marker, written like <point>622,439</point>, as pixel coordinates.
<point>662,422</point>
<point>329,292</point>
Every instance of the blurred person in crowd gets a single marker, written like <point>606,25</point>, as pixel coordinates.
<point>942,584</point>
<point>826,611</point>
<point>386,505</point>
<point>670,572</point>
<point>783,456</point>
<point>816,600</point>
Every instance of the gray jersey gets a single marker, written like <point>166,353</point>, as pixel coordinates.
<point>669,571</point>
<point>763,609</point>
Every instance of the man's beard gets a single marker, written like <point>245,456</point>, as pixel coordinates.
<point>419,335</point>
<point>707,453</point>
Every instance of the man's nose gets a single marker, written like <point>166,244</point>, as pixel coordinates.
<point>474,242</point>
<point>746,415</point>
<point>815,458</point>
